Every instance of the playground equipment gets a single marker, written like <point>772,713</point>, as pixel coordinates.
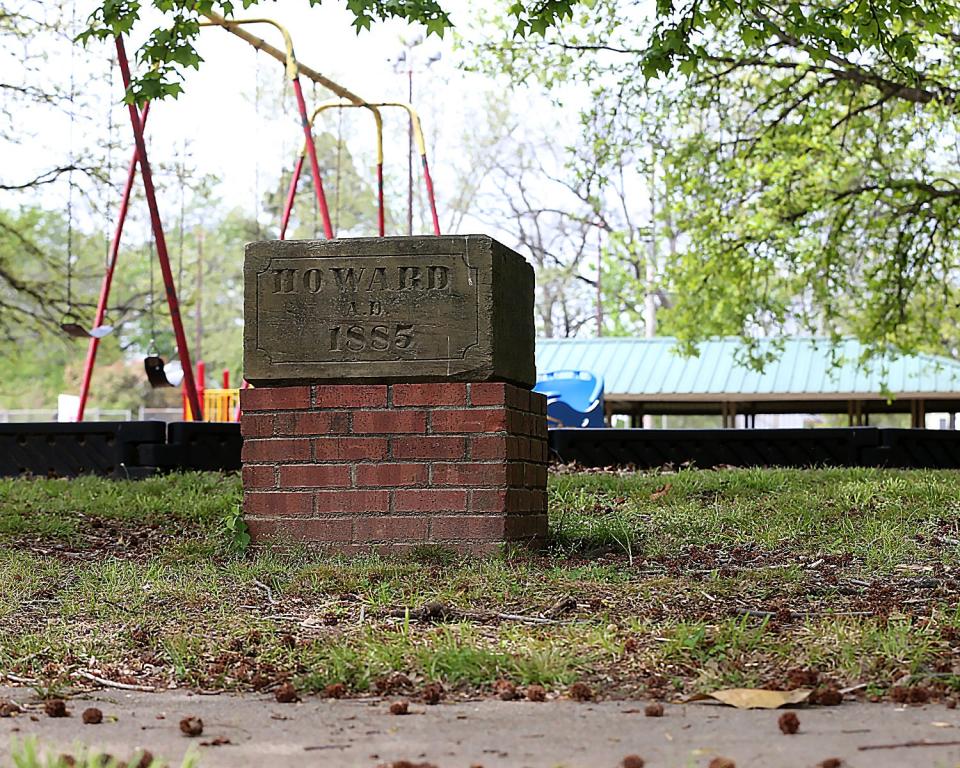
<point>292,67</point>
<point>374,107</point>
<point>158,372</point>
<point>298,169</point>
<point>70,323</point>
<point>574,398</point>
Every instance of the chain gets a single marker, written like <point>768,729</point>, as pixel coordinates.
<point>150,310</point>
<point>182,178</point>
<point>72,100</point>
<point>256,167</point>
<point>336,199</point>
<point>106,209</point>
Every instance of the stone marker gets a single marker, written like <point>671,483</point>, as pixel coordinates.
<point>388,309</point>
<point>392,405</point>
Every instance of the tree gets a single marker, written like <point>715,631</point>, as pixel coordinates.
<point>33,246</point>
<point>897,29</point>
<point>808,164</point>
<point>806,151</point>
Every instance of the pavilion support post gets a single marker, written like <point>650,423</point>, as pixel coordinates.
<point>918,414</point>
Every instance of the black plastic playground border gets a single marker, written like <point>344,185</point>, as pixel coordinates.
<point>118,449</point>
<point>136,449</point>
<point>710,448</point>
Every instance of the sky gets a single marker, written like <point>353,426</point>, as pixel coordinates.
<point>225,126</point>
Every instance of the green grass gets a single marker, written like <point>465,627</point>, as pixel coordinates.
<point>27,754</point>
<point>728,578</point>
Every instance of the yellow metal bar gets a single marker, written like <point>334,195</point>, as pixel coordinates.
<point>414,119</point>
<point>288,59</point>
<point>346,104</point>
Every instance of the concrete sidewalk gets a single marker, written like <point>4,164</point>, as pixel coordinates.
<point>321,732</point>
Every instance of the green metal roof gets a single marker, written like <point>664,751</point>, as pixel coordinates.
<point>639,368</point>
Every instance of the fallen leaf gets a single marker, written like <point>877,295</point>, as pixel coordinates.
<point>662,491</point>
<point>755,698</point>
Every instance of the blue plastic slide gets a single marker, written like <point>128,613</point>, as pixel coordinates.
<point>574,398</point>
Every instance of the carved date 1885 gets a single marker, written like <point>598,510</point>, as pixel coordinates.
<point>366,309</point>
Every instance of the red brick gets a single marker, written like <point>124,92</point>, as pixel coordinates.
<point>464,474</point>
<point>539,426</point>
<point>428,447</point>
<point>526,527</point>
<point>259,476</point>
<point>315,476</point>
<point>351,395</point>
<point>492,447</point>
<point>390,475</point>
<point>489,501</point>
<point>517,397</point>
<point>488,393</point>
<point>381,422</point>
<point>351,502</point>
<point>429,394</point>
<point>256,424</point>
<point>429,500</point>
<point>309,530</point>
<point>280,504</point>
<point>531,474</point>
<point>350,448</point>
<point>467,527</point>
<point>540,452</point>
<point>390,529</point>
<point>313,423</point>
<point>469,420</point>
<point>538,403</point>
<point>274,398</point>
<point>275,450</point>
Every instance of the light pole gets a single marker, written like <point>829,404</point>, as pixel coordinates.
<point>404,63</point>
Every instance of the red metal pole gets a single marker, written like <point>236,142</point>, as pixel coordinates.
<point>226,379</point>
<point>148,188</point>
<point>433,201</point>
<point>94,343</point>
<point>201,382</point>
<point>291,194</point>
<point>314,165</point>
<point>380,227</point>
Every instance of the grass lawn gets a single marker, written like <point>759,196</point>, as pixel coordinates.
<point>654,585</point>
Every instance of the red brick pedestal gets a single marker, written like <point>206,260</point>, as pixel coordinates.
<point>354,467</point>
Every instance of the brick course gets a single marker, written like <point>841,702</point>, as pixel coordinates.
<point>386,467</point>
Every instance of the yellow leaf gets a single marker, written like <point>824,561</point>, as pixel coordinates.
<point>755,698</point>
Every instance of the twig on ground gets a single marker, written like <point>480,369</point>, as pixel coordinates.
<point>18,679</point>
<point>853,688</point>
<point>113,683</point>
<point>921,743</point>
<point>265,588</point>
<point>442,612</point>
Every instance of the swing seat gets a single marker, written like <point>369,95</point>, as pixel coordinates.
<point>74,330</point>
<point>153,366</point>
<point>158,376</point>
<point>101,331</point>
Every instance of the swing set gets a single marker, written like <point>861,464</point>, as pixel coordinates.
<point>220,403</point>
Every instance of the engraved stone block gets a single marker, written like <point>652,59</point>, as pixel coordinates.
<point>395,309</point>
